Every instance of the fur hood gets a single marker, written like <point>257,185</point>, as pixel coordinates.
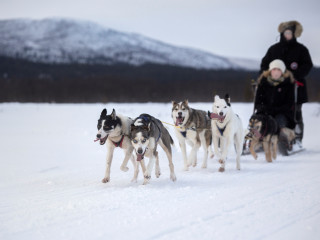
<point>287,74</point>
<point>298,27</point>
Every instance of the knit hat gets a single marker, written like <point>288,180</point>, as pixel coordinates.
<point>277,63</point>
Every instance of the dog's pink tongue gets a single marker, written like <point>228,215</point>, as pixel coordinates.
<point>139,157</point>
<point>179,120</point>
<point>216,116</point>
<point>96,140</point>
<point>256,133</point>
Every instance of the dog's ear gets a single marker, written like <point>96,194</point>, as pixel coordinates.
<point>103,113</point>
<point>186,102</point>
<point>227,99</point>
<point>216,98</point>
<point>174,103</point>
<point>209,114</point>
<point>113,114</point>
<point>133,127</point>
<point>149,126</point>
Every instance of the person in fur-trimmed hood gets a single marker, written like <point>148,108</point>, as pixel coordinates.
<point>297,59</point>
<point>275,97</point>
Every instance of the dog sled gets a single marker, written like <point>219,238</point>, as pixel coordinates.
<point>285,148</point>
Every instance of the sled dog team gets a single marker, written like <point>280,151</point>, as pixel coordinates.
<point>139,138</point>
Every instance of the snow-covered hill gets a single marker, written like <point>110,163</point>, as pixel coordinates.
<point>66,41</point>
<point>51,171</point>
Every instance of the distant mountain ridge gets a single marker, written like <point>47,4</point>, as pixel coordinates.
<point>56,40</point>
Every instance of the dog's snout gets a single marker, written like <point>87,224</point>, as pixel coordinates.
<point>98,135</point>
<point>221,113</point>
<point>140,151</point>
<point>180,114</point>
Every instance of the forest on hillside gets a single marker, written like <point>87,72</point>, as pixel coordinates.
<point>25,81</point>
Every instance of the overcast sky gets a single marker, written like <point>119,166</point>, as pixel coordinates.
<point>232,28</point>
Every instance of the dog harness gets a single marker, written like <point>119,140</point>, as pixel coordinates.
<point>221,130</point>
<point>184,134</point>
<point>118,144</point>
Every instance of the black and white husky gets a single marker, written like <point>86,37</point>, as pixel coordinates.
<point>227,129</point>
<point>115,130</point>
<point>193,128</point>
<point>146,133</point>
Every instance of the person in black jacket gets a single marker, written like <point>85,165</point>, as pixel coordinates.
<point>297,59</point>
<point>275,94</point>
<point>275,97</point>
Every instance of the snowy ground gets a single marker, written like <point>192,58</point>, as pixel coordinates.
<point>51,171</point>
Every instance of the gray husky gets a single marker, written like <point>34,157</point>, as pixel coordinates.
<point>146,133</point>
<point>194,128</point>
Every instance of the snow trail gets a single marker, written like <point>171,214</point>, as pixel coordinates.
<point>51,171</point>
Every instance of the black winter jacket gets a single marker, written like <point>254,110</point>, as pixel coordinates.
<point>296,58</point>
<point>273,100</point>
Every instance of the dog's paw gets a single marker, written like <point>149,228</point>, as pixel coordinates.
<point>145,182</point>
<point>158,173</point>
<point>124,169</point>
<point>204,165</point>
<point>194,164</point>
<point>221,161</point>
<point>186,168</point>
<point>189,162</point>
<point>221,169</point>
<point>134,180</point>
<point>105,180</point>
<point>146,179</point>
<point>211,156</point>
<point>173,177</point>
<point>147,175</point>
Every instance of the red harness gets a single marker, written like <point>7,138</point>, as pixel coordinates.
<point>299,84</point>
<point>118,144</point>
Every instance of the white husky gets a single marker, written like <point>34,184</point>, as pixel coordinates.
<point>226,128</point>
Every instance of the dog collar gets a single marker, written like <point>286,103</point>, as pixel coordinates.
<point>118,144</point>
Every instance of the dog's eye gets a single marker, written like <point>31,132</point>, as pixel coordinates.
<point>183,109</point>
<point>144,140</point>
<point>134,141</point>
<point>99,126</point>
<point>217,106</point>
<point>225,106</point>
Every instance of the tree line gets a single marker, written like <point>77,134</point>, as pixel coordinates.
<point>25,81</point>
